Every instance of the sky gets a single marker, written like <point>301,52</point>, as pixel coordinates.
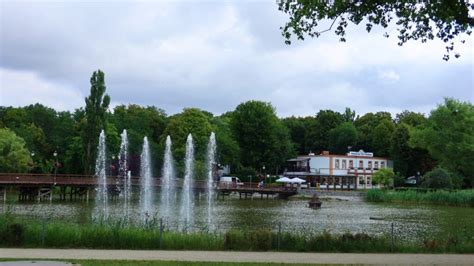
<point>215,55</point>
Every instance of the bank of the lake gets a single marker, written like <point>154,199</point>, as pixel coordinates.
<point>16,231</point>
<point>463,198</point>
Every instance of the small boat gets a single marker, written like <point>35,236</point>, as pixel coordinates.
<point>314,202</point>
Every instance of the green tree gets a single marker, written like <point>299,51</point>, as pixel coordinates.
<point>382,138</point>
<point>228,150</point>
<point>14,157</point>
<point>298,128</point>
<point>349,115</point>
<point>365,126</point>
<point>95,118</point>
<point>410,118</point>
<point>262,138</point>
<point>318,135</point>
<point>341,137</point>
<point>448,135</point>
<point>384,177</point>
<point>440,178</point>
<point>190,121</point>
<point>415,20</point>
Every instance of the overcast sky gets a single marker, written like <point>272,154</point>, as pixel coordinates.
<point>214,55</point>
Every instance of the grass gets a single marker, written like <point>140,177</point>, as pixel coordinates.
<point>442,197</point>
<point>19,232</point>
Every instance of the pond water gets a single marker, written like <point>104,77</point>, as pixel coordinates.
<point>351,214</point>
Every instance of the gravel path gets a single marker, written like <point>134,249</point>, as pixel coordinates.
<point>278,257</point>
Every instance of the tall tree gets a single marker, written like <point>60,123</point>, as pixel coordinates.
<point>262,139</point>
<point>298,128</point>
<point>365,126</point>
<point>318,135</point>
<point>95,118</point>
<point>382,138</point>
<point>341,137</point>
<point>449,137</point>
<point>410,118</point>
<point>415,20</point>
<point>349,115</point>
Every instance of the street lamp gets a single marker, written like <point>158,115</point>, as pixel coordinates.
<point>264,174</point>
<point>32,161</point>
<point>55,154</point>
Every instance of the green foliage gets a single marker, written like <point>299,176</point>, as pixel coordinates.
<point>384,177</point>
<point>415,20</point>
<point>318,136</point>
<point>366,125</point>
<point>448,135</point>
<point>382,138</point>
<point>191,121</point>
<point>441,197</point>
<point>14,157</point>
<point>298,128</point>
<point>341,137</point>
<point>262,138</point>
<point>95,118</point>
<point>228,150</point>
<point>410,118</point>
<point>440,178</point>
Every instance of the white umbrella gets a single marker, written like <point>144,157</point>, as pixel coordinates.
<point>297,180</point>
<point>283,180</point>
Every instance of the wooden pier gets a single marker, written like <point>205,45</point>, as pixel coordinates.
<point>42,187</point>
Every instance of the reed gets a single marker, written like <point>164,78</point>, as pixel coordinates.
<point>20,232</point>
<point>453,198</point>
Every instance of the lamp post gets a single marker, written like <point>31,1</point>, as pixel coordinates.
<point>32,161</point>
<point>55,154</point>
<point>264,174</point>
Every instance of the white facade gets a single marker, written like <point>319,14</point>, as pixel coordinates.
<point>359,165</point>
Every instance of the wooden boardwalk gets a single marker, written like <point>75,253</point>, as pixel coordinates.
<point>41,187</point>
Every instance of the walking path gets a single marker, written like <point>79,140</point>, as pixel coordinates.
<point>229,256</point>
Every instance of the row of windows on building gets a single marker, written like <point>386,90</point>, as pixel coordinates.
<point>361,164</point>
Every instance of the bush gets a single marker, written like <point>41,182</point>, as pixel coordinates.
<point>384,177</point>
<point>440,178</point>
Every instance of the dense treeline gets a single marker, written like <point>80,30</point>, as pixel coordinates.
<point>249,137</point>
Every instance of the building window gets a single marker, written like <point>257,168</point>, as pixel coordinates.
<point>370,165</point>
<point>361,164</point>
<point>351,164</point>
<point>343,164</point>
<point>376,165</point>
<point>337,163</point>
<point>382,164</point>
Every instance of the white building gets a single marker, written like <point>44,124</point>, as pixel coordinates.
<point>351,171</point>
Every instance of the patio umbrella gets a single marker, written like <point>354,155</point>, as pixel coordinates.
<point>297,180</point>
<point>283,180</point>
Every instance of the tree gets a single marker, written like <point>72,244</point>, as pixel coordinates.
<point>410,118</point>
<point>262,138</point>
<point>318,135</point>
<point>365,126</point>
<point>448,135</point>
<point>190,121</point>
<point>415,20</point>
<point>298,128</point>
<point>14,157</point>
<point>341,137</point>
<point>349,115</point>
<point>95,118</point>
<point>228,150</point>
<point>384,177</point>
<point>382,138</point>
<point>440,178</point>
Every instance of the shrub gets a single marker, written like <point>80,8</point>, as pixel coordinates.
<point>439,178</point>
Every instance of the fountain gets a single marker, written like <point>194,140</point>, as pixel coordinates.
<point>146,190</point>
<point>167,186</point>
<point>124,174</point>
<point>187,193</point>
<point>100,172</point>
<point>211,161</point>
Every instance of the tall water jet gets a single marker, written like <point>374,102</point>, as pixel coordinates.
<point>124,173</point>
<point>211,162</point>
<point>167,186</point>
<point>146,193</point>
<point>100,172</point>
<point>187,193</point>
